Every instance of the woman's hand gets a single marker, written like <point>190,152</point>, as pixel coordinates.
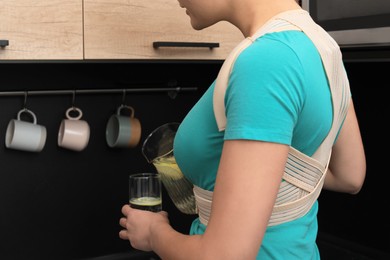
<point>138,226</point>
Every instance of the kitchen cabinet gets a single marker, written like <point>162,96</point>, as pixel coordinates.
<point>128,29</point>
<point>108,30</point>
<point>41,30</point>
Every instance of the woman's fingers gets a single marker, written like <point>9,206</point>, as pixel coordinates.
<point>123,234</point>
<point>122,222</point>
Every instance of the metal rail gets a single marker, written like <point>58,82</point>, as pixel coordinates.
<point>95,91</point>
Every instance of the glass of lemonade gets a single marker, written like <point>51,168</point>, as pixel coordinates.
<point>145,191</point>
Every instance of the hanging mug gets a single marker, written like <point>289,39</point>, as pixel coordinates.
<point>25,136</point>
<point>73,133</point>
<point>123,131</point>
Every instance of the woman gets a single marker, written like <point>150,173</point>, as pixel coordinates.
<point>277,97</point>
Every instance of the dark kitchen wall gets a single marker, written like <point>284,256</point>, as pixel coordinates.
<point>360,223</point>
<point>60,204</point>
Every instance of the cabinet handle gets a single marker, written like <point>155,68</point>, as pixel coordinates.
<point>4,43</point>
<point>186,44</point>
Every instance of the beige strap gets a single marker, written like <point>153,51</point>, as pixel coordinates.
<point>332,60</point>
<point>204,199</point>
<point>304,176</point>
<point>303,181</point>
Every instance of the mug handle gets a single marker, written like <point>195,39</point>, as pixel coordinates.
<point>78,110</point>
<point>31,113</point>
<point>118,111</point>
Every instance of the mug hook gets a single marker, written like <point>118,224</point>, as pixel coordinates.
<point>25,100</point>
<point>123,96</point>
<point>73,98</point>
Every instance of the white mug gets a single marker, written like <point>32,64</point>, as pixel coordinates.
<point>24,135</point>
<point>73,133</point>
<point>123,131</point>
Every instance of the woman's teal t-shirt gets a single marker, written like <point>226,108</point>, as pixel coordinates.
<point>277,92</point>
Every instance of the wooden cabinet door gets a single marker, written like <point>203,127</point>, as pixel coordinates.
<point>127,29</point>
<point>41,29</point>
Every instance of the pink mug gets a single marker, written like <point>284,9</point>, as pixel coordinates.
<point>73,133</point>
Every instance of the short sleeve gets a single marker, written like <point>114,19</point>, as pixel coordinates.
<point>265,93</point>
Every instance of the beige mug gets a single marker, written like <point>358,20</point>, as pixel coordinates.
<point>123,131</point>
<point>74,133</point>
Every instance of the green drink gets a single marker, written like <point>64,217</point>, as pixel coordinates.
<point>146,203</point>
<point>145,191</point>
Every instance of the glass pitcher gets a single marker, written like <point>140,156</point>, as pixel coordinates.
<point>158,149</point>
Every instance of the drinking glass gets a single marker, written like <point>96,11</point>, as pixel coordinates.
<point>145,191</point>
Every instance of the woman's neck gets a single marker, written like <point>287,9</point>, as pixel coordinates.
<point>250,15</point>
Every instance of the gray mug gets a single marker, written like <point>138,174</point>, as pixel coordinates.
<point>123,131</point>
<point>24,135</point>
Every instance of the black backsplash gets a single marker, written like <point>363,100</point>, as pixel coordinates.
<point>60,204</point>
<point>362,220</point>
